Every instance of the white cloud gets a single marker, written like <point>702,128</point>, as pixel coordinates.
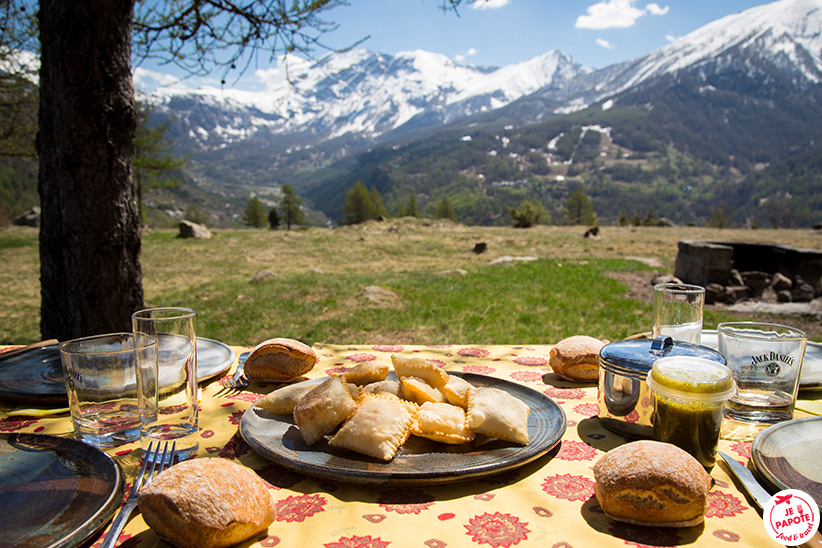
<point>605,43</point>
<point>670,37</point>
<point>655,9</point>
<point>149,79</point>
<point>609,14</point>
<point>470,52</point>
<point>489,4</point>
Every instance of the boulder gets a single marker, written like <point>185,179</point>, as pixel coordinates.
<point>665,279</point>
<point>780,282</point>
<point>802,292</point>
<point>194,230</point>
<point>714,293</point>
<point>29,218</point>
<point>735,278</point>
<point>756,280</point>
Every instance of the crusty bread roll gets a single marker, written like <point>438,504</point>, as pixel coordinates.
<point>576,358</point>
<point>279,360</point>
<point>207,503</point>
<point>652,483</point>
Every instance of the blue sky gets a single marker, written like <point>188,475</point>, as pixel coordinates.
<point>597,33</point>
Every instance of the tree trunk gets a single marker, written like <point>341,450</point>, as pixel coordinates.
<point>90,273</point>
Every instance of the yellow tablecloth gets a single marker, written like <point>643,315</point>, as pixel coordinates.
<point>548,503</point>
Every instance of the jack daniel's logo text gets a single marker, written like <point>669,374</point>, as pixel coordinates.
<point>771,363</point>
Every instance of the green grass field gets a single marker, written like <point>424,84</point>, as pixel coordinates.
<point>318,284</point>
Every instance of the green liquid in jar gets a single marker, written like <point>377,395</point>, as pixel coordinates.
<point>691,420</point>
<point>692,427</point>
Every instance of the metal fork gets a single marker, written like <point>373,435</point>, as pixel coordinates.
<point>142,480</point>
<point>238,380</point>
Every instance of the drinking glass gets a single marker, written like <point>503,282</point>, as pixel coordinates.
<point>167,379</point>
<point>678,311</point>
<point>100,373</point>
<point>766,360</point>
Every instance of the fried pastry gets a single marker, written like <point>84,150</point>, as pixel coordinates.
<point>497,414</point>
<point>323,408</point>
<point>442,422</point>
<point>417,390</point>
<point>365,373</point>
<point>377,428</point>
<point>417,367</point>
<point>456,391</point>
<point>383,387</point>
<point>283,400</point>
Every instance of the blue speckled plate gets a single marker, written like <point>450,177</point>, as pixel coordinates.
<point>418,461</point>
<point>54,492</point>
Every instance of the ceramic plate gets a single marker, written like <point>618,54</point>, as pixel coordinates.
<point>54,491</point>
<point>37,375</point>
<point>418,461</point>
<point>787,455</point>
<point>810,378</point>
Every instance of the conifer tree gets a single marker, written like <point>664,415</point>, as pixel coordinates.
<point>255,213</point>
<point>445,210</point>
<point>358,206</point>
<point>579,208</point>
<point>291,207</point>
<point>379,211</point>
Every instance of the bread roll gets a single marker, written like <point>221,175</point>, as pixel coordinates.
<point>652,483</point>
<point>207,503</point>
<point>576,358</point>
<point>279,360</point>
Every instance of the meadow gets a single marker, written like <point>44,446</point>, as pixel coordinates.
<point>408,281</point>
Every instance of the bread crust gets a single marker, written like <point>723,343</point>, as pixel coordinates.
<point>279,360</point>
<point>576,358</point>
<point>652,483</point>
<point>207,503</point>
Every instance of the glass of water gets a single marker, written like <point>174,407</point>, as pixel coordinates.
<point>678,311</point>
<point>167,379</point>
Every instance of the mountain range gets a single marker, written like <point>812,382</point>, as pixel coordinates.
<point>722,124</point>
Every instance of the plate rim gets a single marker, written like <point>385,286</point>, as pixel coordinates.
<point>60,397</point>
<point>109,503</point>
<point>422,477</point>
<point>757,454</point>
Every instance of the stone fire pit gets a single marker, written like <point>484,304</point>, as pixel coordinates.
<point>736,271</point>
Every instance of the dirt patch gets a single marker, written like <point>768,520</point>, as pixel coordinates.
<point>639,284</point>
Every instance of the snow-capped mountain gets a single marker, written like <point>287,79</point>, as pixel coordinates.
<point>359,93</point>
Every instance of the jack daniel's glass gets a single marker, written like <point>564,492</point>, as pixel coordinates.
<point>766,360</point>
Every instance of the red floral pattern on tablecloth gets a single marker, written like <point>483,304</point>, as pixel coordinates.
<point>742,448</point>
<point>479,369</point>
<point>405,501</point>
<point>727,536</point>
<point>530,361</point>
<point>564,393</point>
<point>587,409</point>
<point>723,505</point>
<point>387,348</point>
<point>576,450</point>
<point>473,352</point>
<point>569,487</point>
<point>497,529</point>
<point>249,397</point>
<point>361,357</point>
<point>526,376</point>
<point>12,425</point>
<point>297,508</point>
<point>358,542</point>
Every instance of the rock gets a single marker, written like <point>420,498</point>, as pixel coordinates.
<point>591,232</point>
<point>736,293</point>
<point>756,280</point>
<point>262,276</point>
<point>784,296</point>
<point>452,272</point>
<point>29,218</point>
<point>714,293</point>
<point>377,294</point>
<point>735,278</point>
<point>194,230</point>
<point>481,247</point>
<point>665,279</point>
<point>780,282</point>
<point>802,293</point>
<point>508,259</point>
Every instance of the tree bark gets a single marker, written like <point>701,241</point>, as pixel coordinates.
<point>90,273</point>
